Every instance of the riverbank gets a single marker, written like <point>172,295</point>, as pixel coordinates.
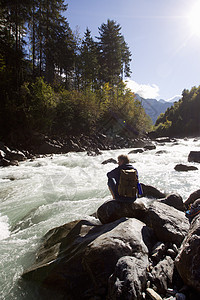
<point>38,144</point>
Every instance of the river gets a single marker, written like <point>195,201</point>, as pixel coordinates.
<point>39,195</point>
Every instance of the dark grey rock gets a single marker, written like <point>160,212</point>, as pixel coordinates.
<point>151,192</point>
<point>175,201</point>
<point>162,275</point>
<point>108,161</point>
<point>194,156</point>
<point>188,260</point>
<point>79,263</point>
<point>184,168</point>
<point>168,223</point>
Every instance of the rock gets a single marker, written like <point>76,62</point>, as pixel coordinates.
<point>194,156</point>
<point>171,253</point>
<point>2,154</point>
<point>90,252</point>
<point>164,139</point>
<point>158,252</point>
<point>4,162</point>
<point>162,275</point>
<point>48,148</point>
<point>194,196</point>
<point>108,161</point>
<point>151,192</point>
<point>180,296</point>
<point>161,152</point>
<point>188,260</point>
<point>15,155</point>
<point>113,210</point>
<point>184,168</point>
<point>129,278</point>
<point>136,151</point>
<point>153,295</point>
<point>174,200</point>
<point>149,147</point>
<point>168,223</point>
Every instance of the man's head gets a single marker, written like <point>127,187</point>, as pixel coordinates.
<point>123,159</point>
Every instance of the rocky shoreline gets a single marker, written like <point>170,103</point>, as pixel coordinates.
<point>39,145</point>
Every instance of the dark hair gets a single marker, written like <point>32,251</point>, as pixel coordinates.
<point>123,158</point>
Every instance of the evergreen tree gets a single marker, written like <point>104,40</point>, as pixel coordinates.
<point>114,53</point>
<point>89,61</point>
<point>51,38</point>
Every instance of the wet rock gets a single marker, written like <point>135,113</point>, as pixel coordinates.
<point>136,151</point>
<point>188,260</point>
<point>80,263</point>
<point>175,201</point>
<point>194,156</point>
<point>161,152</point>
<point>108,161</point>
<point>15,155</point>
<point>151,192</point>
<point>184,168</point>
<point>149,147</point>
<point>164,140</point>
<point>4,162</point>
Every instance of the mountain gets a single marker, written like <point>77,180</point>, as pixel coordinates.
<point>154,107</point>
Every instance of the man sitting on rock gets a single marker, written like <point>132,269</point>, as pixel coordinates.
<point>123,180</point>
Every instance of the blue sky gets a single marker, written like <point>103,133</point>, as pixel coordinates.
<point>163,37</point>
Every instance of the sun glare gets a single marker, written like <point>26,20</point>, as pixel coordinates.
<point>194,19</point>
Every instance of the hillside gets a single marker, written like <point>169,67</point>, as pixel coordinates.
<point>183,118</point>
<point>155,107</point>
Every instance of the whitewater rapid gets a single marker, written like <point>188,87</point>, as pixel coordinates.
<point>39,195</point>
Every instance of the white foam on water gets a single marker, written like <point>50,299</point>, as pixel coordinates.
<point>4,227</point>
<point>48,192</point>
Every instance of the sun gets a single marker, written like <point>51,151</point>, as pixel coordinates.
<point>194,19</point>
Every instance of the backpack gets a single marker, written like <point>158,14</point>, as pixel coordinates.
<point>128,183</point>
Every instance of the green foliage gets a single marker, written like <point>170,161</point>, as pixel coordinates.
<point>183,118</point>
<point>59,84</point>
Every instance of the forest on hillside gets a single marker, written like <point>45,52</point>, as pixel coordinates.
<point>183,118</point>
<point>54,82</point>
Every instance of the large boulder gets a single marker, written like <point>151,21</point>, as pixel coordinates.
<point>184,168</point>
<point>115,209</point>
<point>80,263</point>
<point>194,156</point>
<point>174,200</point>
<point>188,260</point>
<point>129,278</point>
<point>151,192</point>
<point>168,223</point>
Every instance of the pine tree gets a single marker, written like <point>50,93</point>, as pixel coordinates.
<point>89,61</point>
<point>114,53</point>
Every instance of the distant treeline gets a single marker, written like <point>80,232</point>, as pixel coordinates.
<point>183,118</point>
<point>54,82</point>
